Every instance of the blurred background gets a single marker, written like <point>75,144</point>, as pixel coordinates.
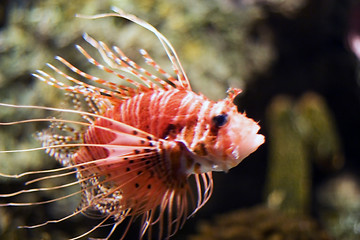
<point>297,62</point>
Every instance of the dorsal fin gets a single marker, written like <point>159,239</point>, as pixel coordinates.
<point>117,63</point>
<point>182,81</point>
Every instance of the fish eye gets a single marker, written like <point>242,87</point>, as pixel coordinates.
<point>220,120</point>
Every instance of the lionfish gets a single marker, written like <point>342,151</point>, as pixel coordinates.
<point>141,143</point>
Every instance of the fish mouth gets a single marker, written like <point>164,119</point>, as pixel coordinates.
<point>237,148</point>
<point>243,148</point>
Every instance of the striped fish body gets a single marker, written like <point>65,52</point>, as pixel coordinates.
<point>170,115</point>
<point>163,114</point>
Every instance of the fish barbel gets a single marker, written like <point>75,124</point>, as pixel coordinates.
<point>140,144</point>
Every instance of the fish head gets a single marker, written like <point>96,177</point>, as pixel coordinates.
<point>232,136</point>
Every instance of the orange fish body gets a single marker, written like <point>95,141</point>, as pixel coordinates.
<point>143,143</point>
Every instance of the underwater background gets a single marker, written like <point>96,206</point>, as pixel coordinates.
<point>297,62</point>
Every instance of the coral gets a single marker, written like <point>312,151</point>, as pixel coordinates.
<point>289,171</point>
<point>339,203</point>
<point>259,223</point>
<point>301,133</point>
